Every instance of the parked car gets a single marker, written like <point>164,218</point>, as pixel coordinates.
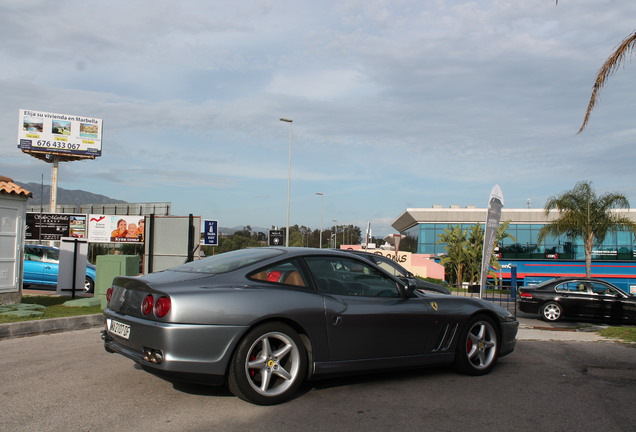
<point>41,265</point>
<point>264,320</point>
<point>400,272</point>
<point>587,298</point>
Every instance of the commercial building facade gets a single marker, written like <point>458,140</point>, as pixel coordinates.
<point>614,259</point>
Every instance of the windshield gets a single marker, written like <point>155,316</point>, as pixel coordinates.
<point>228,261</point>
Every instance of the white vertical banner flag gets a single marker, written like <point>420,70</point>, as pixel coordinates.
<point>495,203</point>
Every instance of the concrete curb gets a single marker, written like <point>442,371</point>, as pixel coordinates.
<point>547,334</point>
<point>53,325</point>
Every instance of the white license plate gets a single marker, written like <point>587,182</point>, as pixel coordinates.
<point>119,329</point>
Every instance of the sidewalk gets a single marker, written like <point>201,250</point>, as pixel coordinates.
<point>55,325</point>
<point>532,329</point>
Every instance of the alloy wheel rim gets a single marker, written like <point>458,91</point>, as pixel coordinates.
<point>552,312</point>
<point>272,364</point>
<point>481,345</point>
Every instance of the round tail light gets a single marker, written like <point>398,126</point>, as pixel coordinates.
<point>162,306</point>
<point>147,304</point>
<point>109,293</point>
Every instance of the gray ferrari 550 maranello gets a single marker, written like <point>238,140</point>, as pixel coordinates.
<point>264,320</point>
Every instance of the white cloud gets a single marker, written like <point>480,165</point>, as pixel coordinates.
<point>395,103</point>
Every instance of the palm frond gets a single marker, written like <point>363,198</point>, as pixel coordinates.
<point>610,66</point>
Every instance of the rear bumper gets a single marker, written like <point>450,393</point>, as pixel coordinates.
<point>528,306</point>
<point>191,351</point>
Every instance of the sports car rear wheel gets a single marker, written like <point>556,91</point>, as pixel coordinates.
<point>269,365</point>
<point>478,347</point>
<point>551,311</point>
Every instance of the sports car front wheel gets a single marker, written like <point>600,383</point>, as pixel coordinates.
<point>477,347</point>
<point>269,365</point>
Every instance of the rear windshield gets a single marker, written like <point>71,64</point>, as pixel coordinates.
<point>228,261</point>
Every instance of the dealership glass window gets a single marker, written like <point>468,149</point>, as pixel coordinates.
<point>625,238</point>
<point>524,235</point>
<point>429,235</point>
<point>560,247</point>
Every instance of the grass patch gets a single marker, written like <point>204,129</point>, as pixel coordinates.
<point>626,334</point>
<point>54,309</point>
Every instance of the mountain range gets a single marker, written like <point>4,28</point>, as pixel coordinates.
<point>42,193</point>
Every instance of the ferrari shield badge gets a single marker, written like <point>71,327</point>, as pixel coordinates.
<point>434,306</point>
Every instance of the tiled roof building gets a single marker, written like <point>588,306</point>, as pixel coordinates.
<point>8,187</point>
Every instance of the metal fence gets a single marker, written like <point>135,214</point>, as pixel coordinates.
<point>500,296</point>
<point>127,209</point>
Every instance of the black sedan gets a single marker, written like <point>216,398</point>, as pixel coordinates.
<point>264,320</point>
<point>586,298</point>
<point>400,272</point>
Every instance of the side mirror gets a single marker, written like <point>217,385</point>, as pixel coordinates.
<point>409,285</point>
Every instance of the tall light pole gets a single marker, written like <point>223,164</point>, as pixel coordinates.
<point>290,121</point>
<point>322,212</point>
<point>335,233</point>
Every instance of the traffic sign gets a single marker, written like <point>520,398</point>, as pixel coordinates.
<point>275,237</point>
<point>211,232</point>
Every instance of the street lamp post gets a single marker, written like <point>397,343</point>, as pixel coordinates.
<point>322,212</point>
<point>290,121</point>
<point>335,233</point>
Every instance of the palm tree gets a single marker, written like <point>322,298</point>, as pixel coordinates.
<point>464,249</point>
<point>586,215</point>
<point>456,249</point>
<point>612,63</point>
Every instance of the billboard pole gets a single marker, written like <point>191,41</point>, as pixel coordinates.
<point>54,170</point>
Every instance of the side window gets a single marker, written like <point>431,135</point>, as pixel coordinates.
<point>573,287</point>
<point>52,256</point>
<point>33,254</point>
<point>286,273</point>
<point>601,289</point>
<point>344,276</point>
<point>388,266</point>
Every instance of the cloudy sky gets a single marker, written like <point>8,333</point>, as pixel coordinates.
<point>395,104</point>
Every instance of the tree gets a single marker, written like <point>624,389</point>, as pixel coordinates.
<point>586,215</point>
<point>476,249</point>
<point>464,249</point>
<point>454,261</point>
<point>613,62</point>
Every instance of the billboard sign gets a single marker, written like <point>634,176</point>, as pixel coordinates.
<point>54,226</point>
<point>63,134</point>
<point>211,232</point>
<point>115,229</point>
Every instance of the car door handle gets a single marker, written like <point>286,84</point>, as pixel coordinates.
<point>335,320</point>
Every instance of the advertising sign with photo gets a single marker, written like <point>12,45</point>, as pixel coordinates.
<point>59,133</point>
<point>115,229</point>
<point>54,226</point>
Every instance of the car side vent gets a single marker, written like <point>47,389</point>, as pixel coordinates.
<point>446,336</point>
